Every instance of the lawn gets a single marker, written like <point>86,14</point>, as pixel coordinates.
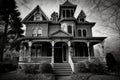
<point>20,75</point>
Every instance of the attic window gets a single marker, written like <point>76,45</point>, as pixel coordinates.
<point>38,17</point>
<point>82,20</point>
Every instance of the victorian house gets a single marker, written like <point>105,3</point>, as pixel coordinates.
<point>60,40</point>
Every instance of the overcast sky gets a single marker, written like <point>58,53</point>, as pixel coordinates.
<point>49,6</point>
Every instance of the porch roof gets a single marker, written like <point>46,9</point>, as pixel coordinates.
<point>33,38</point>
<point>92,39</point>
<point>89,38</point>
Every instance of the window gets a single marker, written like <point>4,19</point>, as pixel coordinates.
<point>64,13</point>
<point>34,32</point>
<point>38,16</point>
<point>72,13</point>
<point>84,33</point>
<point>68,13</point>
<point>70,29</point>
<point>79,33</point>
<point>39,32</point>
<point>36,50</point>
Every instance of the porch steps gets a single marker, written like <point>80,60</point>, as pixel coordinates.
<point>62,77</point>
<point>62,71</point>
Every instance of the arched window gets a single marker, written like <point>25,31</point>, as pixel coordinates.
<point>34,32</point>
<point>84,33</point>
<point>38,16</point>
<point>79,33</point>
<point>39,32</point>
<point>70,29</point>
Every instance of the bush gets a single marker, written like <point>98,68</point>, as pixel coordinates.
<point>96,66</point>
<point>116,69</point>
<point>38,68</point>
<point>31,68</point>
<point>81,67</point>
<point>7,66</point>
<point>46,68</point>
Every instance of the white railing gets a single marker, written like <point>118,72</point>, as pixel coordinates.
<point>71,63</point>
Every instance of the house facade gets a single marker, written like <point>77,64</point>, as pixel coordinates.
<point>60,39</point>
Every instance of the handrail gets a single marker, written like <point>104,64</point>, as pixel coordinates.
<point>71,62</point>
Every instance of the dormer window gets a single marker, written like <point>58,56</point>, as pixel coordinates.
<point>54,16</point>
<point>38,16</point>
<point>82,16</point>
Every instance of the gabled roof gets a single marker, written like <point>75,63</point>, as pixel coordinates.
<point>82,15</point>
<point>37,8</point>
<point>67,3</point>
<point>60,33</point>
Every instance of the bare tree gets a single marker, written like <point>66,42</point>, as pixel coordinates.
<point>109,10</point>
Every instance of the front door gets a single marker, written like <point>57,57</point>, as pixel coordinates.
<point>60,52</point>
<point>58,55</point>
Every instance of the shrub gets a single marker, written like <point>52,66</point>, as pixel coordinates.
<point>46,68</point>
<point>81,67</point>
<point>7,66</point>
<point>96,66</point>
<point>116,69</point>
<point>31,68</point>
<point>37,68</point>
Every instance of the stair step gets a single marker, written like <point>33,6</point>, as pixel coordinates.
<point>62,69</point>
<point>62,77</point>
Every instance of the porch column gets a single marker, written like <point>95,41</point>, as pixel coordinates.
<point>29,55</point>
<point>69,48</point>
<point>21,53</point>
<point>52,52</point>
<point>88,46</point>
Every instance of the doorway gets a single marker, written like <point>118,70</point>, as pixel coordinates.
<point>60,52</point>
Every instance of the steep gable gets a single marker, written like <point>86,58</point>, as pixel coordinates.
<point>37,9</point>
<point>60,33</point>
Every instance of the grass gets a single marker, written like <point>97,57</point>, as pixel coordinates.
<point>20,75</point>
<point>90,76</point>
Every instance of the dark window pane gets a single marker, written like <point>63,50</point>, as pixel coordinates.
<point>63,13</point>
<point>84,33</point>
<point>72,13</point>
<point>79,33</point>
<point>70,29</point>
<point>68,13</point>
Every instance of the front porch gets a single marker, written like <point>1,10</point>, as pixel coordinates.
<point>57,51</point>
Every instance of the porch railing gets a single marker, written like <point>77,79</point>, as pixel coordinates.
<point>78,59</point>
<point>71,63</point>
<point>38,59</point>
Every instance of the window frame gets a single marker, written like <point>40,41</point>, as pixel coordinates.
<point>85,32</point>
<point>34,32</point>
<point>38,32</point>
<point>82,34</point>
<point>38,16</point>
